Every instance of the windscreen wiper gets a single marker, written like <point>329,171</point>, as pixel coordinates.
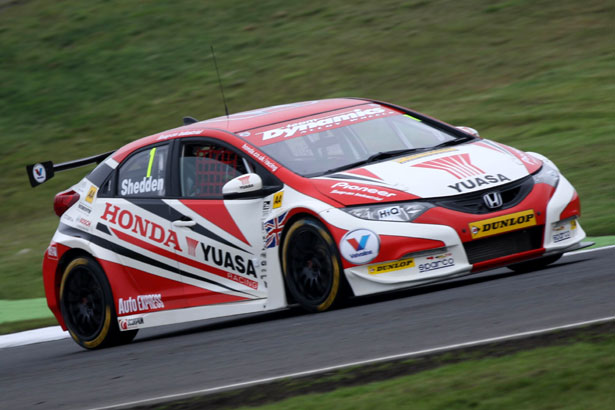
<point>372,158</point>
<point>456,141</point>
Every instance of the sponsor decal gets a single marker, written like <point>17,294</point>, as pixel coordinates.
<point>403,160</point>
<point>277,199</point>
<point>392,213</point>
<point>360,246</point>
<point>84,208</point>
<point>84,222</point>
<point>458,166</point>
<point>126,324</point>
<point>376,194</point>
<point>245,182</point>
<point>564,230</point>
<point>262,158</point>
<point>52,251</point>
<point>39,173</point>
<point>244,134</point>
<point>178,134</point>
<point>500,224</point>
<point>390,266</point>
<point>266,206</point>
<point>192,244</point>
<point>444,255</point>
<point>477,182</point>
<point>562,236</point>
<point>227,260</point>
<point>329,121</point>
<point>141,226</point>
<point>146,185</point>
<point>440,262</point>
<point>273,230</point>
<point>91,194</point>
<point>139,304</point>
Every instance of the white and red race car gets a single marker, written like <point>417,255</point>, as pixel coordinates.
<point>294,204</point>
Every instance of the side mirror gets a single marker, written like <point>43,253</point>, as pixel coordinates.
<point>243,185</point>
<point>469,130</point>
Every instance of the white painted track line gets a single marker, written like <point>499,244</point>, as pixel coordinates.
<point>351,364</point>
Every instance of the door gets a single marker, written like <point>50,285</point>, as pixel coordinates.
<point>135,224</point>
<point>221,240</point>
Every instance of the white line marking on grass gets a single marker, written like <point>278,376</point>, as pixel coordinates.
<point>45,334</point>
<point>351,364</point>
<point>589,250</point>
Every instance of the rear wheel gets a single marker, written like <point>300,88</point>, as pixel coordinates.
<point>311,265</point>
<point>87,306</point>
<point>534,264</point>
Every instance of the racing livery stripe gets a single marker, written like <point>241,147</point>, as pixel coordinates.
<point>160,208</point>
<point>217,214</point>
<point>181,259</point>
<point>103,243</point>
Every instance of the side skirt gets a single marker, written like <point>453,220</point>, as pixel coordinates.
<point>169,317</point>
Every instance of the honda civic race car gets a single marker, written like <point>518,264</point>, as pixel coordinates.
<point>304,204</point>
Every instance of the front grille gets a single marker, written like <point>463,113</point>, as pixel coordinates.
<point>473,203</point>
<point>503,245</point>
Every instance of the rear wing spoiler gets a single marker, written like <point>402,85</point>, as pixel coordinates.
<point>43,171</point>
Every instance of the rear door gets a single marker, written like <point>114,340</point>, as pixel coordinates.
<point>134,223</point>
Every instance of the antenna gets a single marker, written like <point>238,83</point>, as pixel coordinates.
<point>219,81</point>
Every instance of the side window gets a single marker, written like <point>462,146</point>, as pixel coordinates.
<point>206,167</point>
<point>143,174</point>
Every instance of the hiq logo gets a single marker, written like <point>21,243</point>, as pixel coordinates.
<point>360,246</point>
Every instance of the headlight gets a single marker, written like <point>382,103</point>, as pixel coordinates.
<point>405,212</point>
<point>547,175</point>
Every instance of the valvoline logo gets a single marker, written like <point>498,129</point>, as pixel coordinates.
<point>360,246</point>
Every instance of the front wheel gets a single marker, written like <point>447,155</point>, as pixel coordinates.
<point>87,306</point>
<point>534,264</point>
<point>311,265</point>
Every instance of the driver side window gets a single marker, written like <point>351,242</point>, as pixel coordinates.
<point>206,167</point>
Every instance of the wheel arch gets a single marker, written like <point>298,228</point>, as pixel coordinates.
<point>295,215</point>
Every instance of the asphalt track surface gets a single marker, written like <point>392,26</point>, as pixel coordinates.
<point>208,354</point>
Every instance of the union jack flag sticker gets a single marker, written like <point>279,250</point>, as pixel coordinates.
<point>273,230</point>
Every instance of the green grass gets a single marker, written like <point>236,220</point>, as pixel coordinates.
<point>601,241</point>
<point>80,78</point>
<point>578,376</point>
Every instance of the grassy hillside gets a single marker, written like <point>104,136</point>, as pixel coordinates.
<point>79,78</point>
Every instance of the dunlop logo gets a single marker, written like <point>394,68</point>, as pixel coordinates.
<point>505,223</point>
<point>390,266</point>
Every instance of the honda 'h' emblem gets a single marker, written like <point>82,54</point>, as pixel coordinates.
<point>493,200</point>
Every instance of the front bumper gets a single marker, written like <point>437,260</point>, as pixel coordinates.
<point>449,246</point>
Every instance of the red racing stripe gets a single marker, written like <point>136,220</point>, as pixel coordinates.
<point>181,259</point>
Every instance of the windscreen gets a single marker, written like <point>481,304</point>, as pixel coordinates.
<point>334,140</point>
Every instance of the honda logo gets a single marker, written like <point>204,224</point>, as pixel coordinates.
<point>493,200</point>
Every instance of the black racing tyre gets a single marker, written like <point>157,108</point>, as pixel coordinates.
<point>87,306</point>
<point>311,266</point>
<point>534,264</point>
